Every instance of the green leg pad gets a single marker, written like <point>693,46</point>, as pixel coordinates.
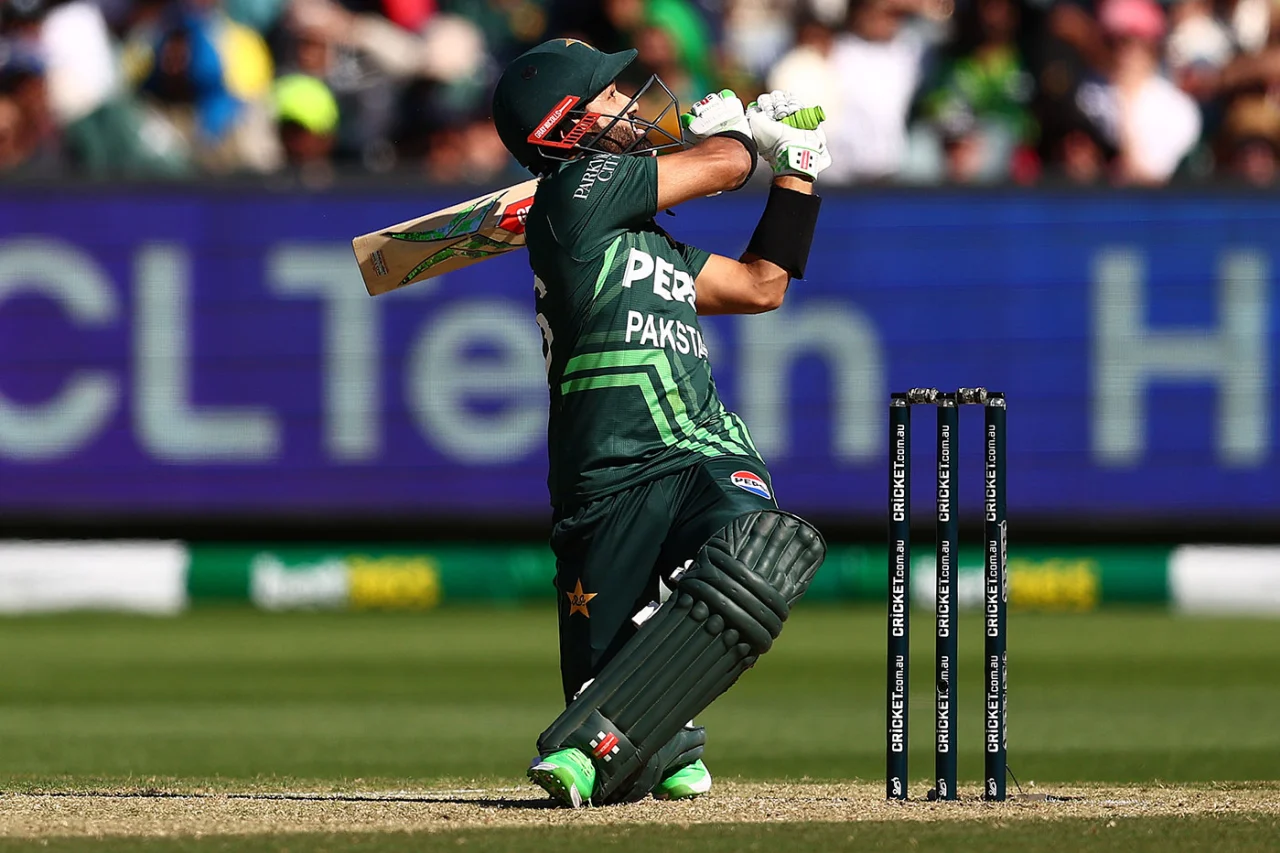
<point>726,611</point>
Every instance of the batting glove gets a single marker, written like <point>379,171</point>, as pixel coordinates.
<point>716,113</point>
<point>787,150</point>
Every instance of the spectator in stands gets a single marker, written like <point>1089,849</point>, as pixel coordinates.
<point>658,54</point>
<point>306,115</point>
<point>1226,54</point>
<point>13,148</point>
<point>1065,47</point>
<point>28,134</point>
<point>758,32</point>
<point>879,62</point>
<point>147,87</point>
<point>1077,152</point>
<point>1249,148</point>
<point>469,152</point>
<point>1200,45</point>
<point>83,104</point>
<point>691,44</point>
<point>379,70</point>
<point>807,68</point>
<point>1208,37</point>
<point>211,78</point>
<point>1213,54</point>
<point>507,28</point>
<point>978,100</point>
<point>1152,124</point>
<point>258,15</point>
<point>672,38</point>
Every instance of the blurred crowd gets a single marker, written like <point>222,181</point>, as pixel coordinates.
<point>1090,92</point>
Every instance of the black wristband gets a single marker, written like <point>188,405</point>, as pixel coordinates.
<point>785,232</point>
<point>747,143</point>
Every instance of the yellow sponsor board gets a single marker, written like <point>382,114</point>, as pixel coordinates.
<point>1064,584</point>
<point>392,582</point>
<point>1054,584</point>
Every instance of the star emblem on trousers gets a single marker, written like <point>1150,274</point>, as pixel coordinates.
<point>578,600</point>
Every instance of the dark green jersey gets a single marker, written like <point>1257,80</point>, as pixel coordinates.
<point>632,396</point>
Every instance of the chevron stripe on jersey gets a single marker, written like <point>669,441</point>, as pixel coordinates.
<point>651,372</point>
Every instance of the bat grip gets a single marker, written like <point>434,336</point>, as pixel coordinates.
<point>806,119</point>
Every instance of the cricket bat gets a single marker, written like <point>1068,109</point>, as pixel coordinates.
<point>467,233</point>
<point>446,240</point>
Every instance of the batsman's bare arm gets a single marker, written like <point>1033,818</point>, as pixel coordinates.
<point>712,166</point>
<point>725,286</point>
<point>749,285</point>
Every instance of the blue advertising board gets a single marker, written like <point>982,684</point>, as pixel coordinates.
<point>193,352</point>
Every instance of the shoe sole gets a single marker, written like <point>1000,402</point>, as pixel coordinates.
<point>546,779</point>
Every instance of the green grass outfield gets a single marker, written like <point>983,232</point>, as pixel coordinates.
<point>236,700</point>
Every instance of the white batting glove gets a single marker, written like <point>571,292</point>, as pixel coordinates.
<point>787,150</point>
<point>779,104</point>
<point>716,113</point>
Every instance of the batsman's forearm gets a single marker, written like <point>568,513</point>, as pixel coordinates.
<point>794,182</point>
<point>769,284</point>
<point>735,148</point>
<point>715,165</point>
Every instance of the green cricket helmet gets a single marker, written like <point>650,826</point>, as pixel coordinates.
<point>539,106</point>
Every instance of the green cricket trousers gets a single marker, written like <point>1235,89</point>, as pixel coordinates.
<point>612,553</point>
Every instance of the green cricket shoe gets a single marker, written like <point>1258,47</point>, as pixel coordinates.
<point>692,780</point>
<point>568,776</point>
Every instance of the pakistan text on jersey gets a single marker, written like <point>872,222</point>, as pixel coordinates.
<point>660,332</point>
<point>671,284</point>
<point>599,168</point>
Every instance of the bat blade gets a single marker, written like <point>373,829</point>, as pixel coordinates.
<point>446,240</point>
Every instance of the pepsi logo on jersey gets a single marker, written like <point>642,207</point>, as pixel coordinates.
<point>750,482</point>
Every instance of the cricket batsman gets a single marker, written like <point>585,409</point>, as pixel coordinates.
<point>652,481</point>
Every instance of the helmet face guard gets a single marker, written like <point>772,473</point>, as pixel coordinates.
<point>570,129</point>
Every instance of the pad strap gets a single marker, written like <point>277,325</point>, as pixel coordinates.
<point>784,234</point>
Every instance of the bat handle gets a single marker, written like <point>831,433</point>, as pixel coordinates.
<point>806,119</point>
